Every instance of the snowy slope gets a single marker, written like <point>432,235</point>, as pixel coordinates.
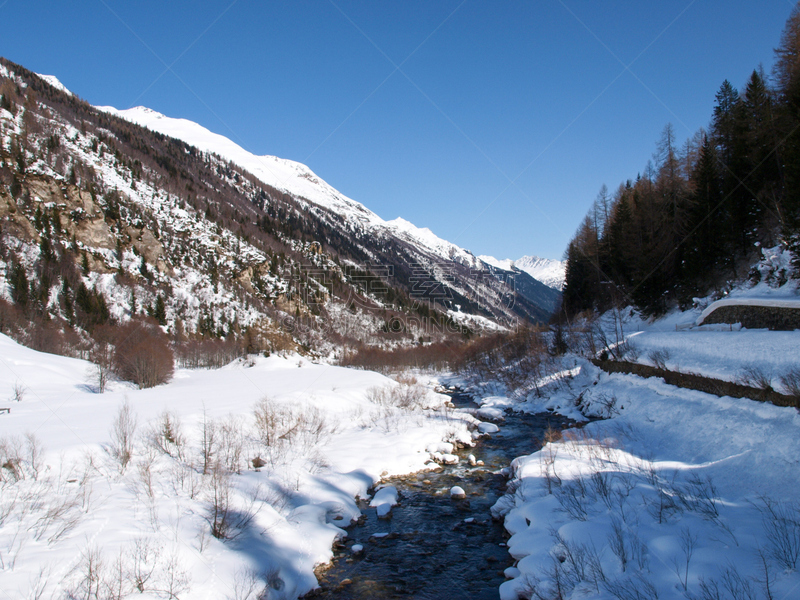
<point>550,272</point>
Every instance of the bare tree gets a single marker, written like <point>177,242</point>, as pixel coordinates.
<point>102,369</point>
<point>123,431</point>
<point>208,435</point>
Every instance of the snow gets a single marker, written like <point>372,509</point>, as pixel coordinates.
<point>298,497</point>
<point>457,492</point>
<point>54,81</point>
<point>488,428</point>
<point>490,413</point>
<point>384,500</point>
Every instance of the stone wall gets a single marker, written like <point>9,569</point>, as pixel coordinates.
<point>757,317</point>
<point>692,381</point>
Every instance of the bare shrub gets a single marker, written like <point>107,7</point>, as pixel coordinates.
<point>700,496</point>
<point>173,578</point>
<point>617,542</point>
<point>208,441</point>
<point>756,377</point>
<point>226,520</point>
<point>630,351</point>
<point>18,392</point>
<point>142,354</point>
<point>219,499</point>
<point>145,471</point>
<point>574,498</point>
<point>167,436</point>
<point>547,464</point>
<point>781,522</point>
<point>681,565</point>
<point>20,459</point>
<point>408,396</point>
<point>92,569</point>
<point>659,358</point>
<point>282,427</point>
<point>608,405</point>
<point>576,562</point>
<point>123,432</point>
<point>144,560</point>
<point>60,515</point>
<point>791,383</point>
<point>33,454</point>
<point>634,587</point>
<point>11,459</point>
<point>602,486</point>
<point>102,357</point>
<point>271,422</point>
<point>231,443</point>
<point>116,583</point>
<point>730,585</point>
<point>625,543</point>
<point>248,584</point>
<point>663,506</point>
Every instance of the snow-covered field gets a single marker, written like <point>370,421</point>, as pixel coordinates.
<point>74,520</point>
<point>722,354</point>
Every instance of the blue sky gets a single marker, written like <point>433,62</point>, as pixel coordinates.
<point>492,123</point>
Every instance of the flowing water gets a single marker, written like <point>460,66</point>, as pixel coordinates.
<point>432,547</point>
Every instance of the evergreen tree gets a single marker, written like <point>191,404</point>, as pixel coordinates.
<point>20,288</point>
<point>160,310</point>
<point>703,247</point>
<point>787,76</point>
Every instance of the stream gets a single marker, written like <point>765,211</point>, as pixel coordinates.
<point>431,546</point>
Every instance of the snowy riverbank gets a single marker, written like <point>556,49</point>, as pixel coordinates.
<point>679,494</point>
<point>73,519</point>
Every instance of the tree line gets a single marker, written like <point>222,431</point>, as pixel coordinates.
<point>698,213</point>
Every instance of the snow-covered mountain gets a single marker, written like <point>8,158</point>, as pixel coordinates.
<point>298,180</point>
<point>144,209</point>
<point>293,178</point>
<point>547,270</point>
<point>285,175</point>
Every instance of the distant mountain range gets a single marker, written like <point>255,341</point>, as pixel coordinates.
<point>549,271</point>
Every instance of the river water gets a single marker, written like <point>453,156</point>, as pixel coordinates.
<point>433,547</point>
